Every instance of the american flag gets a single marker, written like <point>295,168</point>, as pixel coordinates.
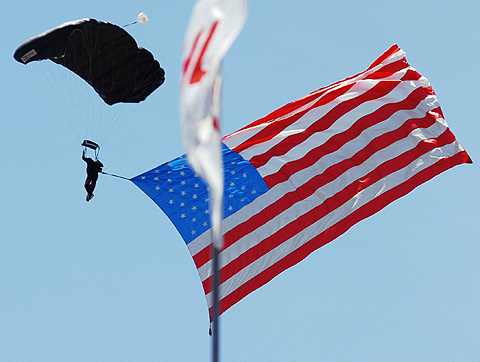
<point>304,174</point>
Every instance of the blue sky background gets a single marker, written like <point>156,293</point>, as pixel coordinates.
<point>112,280</point>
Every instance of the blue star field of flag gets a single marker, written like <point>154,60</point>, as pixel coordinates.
<point>183,195</point>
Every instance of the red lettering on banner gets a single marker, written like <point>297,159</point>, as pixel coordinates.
<point>198,72</point>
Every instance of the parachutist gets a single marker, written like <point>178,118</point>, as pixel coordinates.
<point>93,168</point>
<point>107,58</point>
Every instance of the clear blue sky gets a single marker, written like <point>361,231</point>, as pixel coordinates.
<point>112,280</point>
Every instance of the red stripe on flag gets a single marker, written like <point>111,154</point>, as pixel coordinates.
<point>393,49</point>
<point>389,69</point>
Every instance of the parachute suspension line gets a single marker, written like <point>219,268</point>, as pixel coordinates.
<point>107,120</point>
<point>115,118</point>
<point>82,100</point>
<point>84,106</point>
<point>95,113</point>
<point>47,74</point>
<point>101,121</point>
<point>135,22</point>
<point>119,119</point>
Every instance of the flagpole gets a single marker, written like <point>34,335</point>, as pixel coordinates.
<point>213,27</point>
<point>216,309</point>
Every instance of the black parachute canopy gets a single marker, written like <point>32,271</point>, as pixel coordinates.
<point>103,54</point>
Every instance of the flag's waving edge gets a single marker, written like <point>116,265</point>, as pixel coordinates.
<point>213,27</point>
<point>304,174</point>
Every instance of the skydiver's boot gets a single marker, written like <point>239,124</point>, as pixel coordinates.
<point>89,197</point>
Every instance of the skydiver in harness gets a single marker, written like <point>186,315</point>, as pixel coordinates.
<point>93,168</point>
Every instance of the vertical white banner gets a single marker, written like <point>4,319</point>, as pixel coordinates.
<point>212,29</point>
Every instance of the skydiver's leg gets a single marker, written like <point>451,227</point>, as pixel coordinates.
<point>93,184</point>
<point>88,186</point>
